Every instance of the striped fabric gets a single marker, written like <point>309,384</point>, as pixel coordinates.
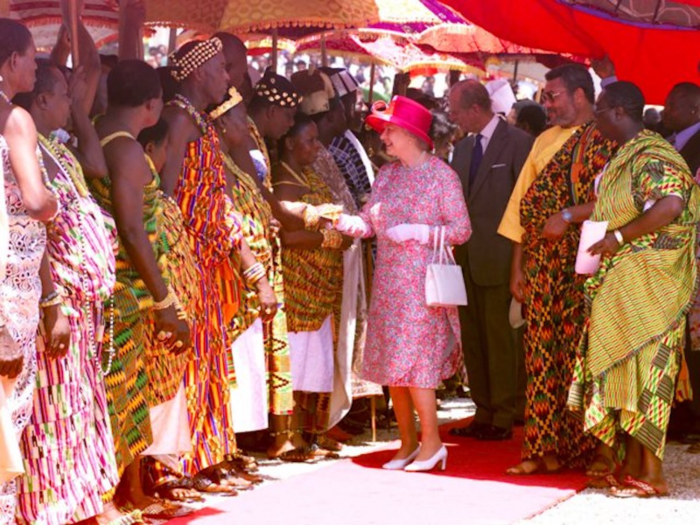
<point>67,446</point>
<point>626,370</point>
<point>257,216</point>
<point>554,298</point>
<point>313,279</point>
<point>215,235</point>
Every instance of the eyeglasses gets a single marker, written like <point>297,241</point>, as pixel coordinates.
<point>549,96</point>
<point>600,111</point>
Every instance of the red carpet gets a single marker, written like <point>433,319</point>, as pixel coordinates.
<point>473,489</point>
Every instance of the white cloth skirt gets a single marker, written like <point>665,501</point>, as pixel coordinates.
<point>171,429</point>
<point>248,399</point>
<point>312,359</point>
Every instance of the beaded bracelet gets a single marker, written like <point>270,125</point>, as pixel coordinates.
<point>50,300</point>
<point>331,239</point>
<point>170,300</point>
<point>254,273</point>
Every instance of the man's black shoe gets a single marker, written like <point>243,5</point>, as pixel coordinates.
<point>495,434</point>
<point>472,431</point>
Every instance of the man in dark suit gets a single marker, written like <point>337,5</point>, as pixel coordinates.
<point>682,117</point>
<point>488,162</point>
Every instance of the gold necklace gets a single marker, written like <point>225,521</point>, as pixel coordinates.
<point>301,179</point>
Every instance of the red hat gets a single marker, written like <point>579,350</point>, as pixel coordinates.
<point>404,113</point>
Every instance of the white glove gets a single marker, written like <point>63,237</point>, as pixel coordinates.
<point>351,225</point>
<point>409,232</point>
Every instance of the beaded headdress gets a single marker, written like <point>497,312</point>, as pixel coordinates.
<point>233,100</point>
<point>278,91</point>
<point>195,57</point>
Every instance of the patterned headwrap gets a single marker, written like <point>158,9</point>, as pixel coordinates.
<point>277,90</point>
<point>231,102</point>
<point>195,57</point>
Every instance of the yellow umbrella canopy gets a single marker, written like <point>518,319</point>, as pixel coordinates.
<point>251,16</point>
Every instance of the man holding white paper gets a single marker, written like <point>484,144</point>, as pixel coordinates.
<point>632,346</point>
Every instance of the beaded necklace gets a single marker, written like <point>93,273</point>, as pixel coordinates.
<point>5,97</point>
<point>301,179</point>
<point>261,144</point>
<point>63,159</point>
<point>66,164</point>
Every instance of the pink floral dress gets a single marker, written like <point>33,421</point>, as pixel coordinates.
<point>409,343</point>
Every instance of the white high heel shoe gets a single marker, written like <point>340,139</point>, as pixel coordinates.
<point>400,464</point>
<point>429,464</point>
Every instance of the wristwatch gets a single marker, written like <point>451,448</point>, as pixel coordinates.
<point>566,215</point>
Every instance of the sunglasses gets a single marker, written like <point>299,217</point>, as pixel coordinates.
<point>549,96</point>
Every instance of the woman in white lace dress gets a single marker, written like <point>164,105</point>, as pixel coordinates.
<point>27,204</point>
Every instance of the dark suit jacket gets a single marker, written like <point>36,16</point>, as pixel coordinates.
<point>691,153</point>
<point>486,256</point>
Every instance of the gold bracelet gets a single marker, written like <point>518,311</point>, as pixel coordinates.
<point>332,239</point>
<point>166,303</point>
<point>311,218</point>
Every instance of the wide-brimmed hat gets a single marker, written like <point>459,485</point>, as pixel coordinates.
<point>404,113</point>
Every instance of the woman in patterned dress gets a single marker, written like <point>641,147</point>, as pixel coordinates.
<point>28,203</point>
<point>312,265</point>
<point>411,347</point>
<point>70,433</point>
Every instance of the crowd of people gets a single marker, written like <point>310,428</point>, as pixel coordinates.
<point>190,262</point>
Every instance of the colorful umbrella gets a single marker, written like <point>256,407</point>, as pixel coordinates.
<point>407,58</point>
<point>652,50</point>
<point>255,16</point>
<point>44,18</point>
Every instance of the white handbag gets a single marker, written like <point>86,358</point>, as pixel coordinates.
<point>444,282</point>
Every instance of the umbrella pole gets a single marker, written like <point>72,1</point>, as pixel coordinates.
<point>515,71</point>
<point>172,40</point>
<point>274,50</point>
<point>371,83</point>
<point>324,52</point>
<point>73,15</point>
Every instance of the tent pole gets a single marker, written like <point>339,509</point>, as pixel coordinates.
<point>515,70</point>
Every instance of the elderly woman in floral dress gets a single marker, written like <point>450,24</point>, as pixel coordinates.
<point>410,346</point>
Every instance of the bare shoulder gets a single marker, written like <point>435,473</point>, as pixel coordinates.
<point>19,124</point>
<point>180,123</point>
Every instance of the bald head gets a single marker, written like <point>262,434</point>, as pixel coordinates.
<point>472,92</point>
<point>682,108</point>
<point>470,106</point>
<point>236,55</point>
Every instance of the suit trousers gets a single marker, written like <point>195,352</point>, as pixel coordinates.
<point>490,353</point>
